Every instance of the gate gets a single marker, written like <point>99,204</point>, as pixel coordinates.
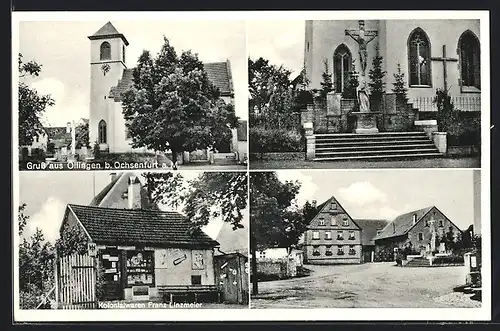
<point>76,282</point>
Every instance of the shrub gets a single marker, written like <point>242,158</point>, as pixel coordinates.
<point>37,155</point>
<point>275,140</point>
<point>450,259</point>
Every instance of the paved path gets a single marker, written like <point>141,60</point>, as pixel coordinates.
<point>370,285</point>
<point>465,162</point>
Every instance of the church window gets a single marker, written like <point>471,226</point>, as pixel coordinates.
<point>420,236</point>
<point>333,221</point>
<point>340,235</point>
<point>105,51</point>
<point>328,235</point>
<point>352,250</point>
<point>470,68</point>
<point>340,250</point>
<point>419,58</point>
<point>342,63</point>
<point>315,234</point>
<point>316,251</point>
<point>102,132</point>
<point>352,235</point>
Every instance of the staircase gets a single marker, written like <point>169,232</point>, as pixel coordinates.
<point>385,145</point>
<point>418,262</point>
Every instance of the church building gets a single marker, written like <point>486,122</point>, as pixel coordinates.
<point>432,53</point>
<point>110,77</point>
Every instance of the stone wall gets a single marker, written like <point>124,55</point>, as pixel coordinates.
<point>396,116</point>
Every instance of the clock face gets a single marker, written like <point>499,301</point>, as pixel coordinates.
<point>105,68</point>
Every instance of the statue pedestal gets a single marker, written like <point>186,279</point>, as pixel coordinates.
<point>366,122</point>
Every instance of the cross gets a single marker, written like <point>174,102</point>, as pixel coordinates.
<point>368,33</point>
<point>362,37</point>
<point>444,59</point>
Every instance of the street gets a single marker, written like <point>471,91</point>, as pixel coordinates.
<point>370,285</point>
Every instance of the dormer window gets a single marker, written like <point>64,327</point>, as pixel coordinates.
<point>105,51</point>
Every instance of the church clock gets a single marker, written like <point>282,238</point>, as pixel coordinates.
<point>105,68</point>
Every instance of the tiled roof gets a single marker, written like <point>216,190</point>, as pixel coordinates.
<point>108,31</point>
<point>218,73</point>
<point>112,194</point>
<point>369,229</point>
<point>136,226</point>
<point>242,131</point>
<point>402,224</point>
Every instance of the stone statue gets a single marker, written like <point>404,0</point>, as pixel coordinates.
<point>363,98</point>
<point>360,37</point>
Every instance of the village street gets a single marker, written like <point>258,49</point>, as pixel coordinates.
<point>370,285</point>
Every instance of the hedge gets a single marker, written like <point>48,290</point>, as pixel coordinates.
<point>275,140</point>
<point>448,259</point>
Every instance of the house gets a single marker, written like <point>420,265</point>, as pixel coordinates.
<point>110,78</point>
<point>369,230</point>
<point>419,230</point>
<point>332,236</point>
<point>143,254</point>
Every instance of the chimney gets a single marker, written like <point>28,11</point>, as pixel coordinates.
<point>314,202</point>
<point>134,193</point>
<point>112,176</point>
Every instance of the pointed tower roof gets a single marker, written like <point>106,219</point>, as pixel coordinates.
<point>108,31</point>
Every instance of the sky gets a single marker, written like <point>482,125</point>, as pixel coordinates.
<point>279,41</point>
<point>46,194</point>
<point>386,194</point>
<point>63,50</point>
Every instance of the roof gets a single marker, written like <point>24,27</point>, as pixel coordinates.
<point>108,31</point>
<point>112,194</point>
<point>242,131</point>
<point>138,226</point>
<point>402,224</point>
<point>234,241</point>
<point>218,73</point>
<point>322,206</point>
<point>369,230</point>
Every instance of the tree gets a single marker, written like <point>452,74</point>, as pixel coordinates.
<point>349,91</point>
<point>31,104</point>
<point>173,105</point>
<point>399,87</point>
<point>82,135</point>
<point>210,195</point>
<point>269,202</point>
<point>36,265</point>
<point>326,84</point>
<point>376,75</point>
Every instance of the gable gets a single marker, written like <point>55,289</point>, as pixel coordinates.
<point>441,223</point>
<point>329,211</point>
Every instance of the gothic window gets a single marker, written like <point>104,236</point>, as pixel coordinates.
<point>419,51</point>
<point>105,51</point>
<point>102,132</point>
<point>470,67</point>
<point>342,62</point>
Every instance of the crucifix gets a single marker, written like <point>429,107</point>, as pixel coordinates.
<point>362,37</point>
<point>444,59</point>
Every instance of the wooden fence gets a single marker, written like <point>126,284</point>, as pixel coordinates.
<point>469,103</point>
<point>76,282</point>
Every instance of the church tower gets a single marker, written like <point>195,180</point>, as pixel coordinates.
<point>107,62</point>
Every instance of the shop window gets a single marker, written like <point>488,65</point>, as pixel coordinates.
<point>140,268</point>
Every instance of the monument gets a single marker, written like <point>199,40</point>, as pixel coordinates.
<point>366,120</point>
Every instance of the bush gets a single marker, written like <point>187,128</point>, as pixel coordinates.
<point>450,259</point>
<point>275,140</point>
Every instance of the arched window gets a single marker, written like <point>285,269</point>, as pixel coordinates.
<point>419,50</point>
<point>102,132</point>
<point>342,62</point>
<point>105,51</point>
<point>470,66</point>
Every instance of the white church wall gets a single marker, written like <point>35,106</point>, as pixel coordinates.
<point>439,32</point>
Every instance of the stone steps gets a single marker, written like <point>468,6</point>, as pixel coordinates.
<point>385,145</point>
<point>418,262</point>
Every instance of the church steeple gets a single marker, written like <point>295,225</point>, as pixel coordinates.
<point>108,31</point>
